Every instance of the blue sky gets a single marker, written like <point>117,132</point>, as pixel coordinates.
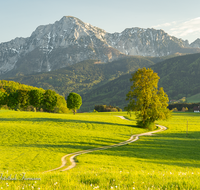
<point>180,18</point>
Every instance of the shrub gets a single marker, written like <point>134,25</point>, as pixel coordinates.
<point>56,110</point>
<point>106,108</point>
<point>148,124</point>
<point>64,110</point>
<point>31,108</point>
<point>174,109</point>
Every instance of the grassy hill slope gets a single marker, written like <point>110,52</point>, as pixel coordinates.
<point>194,99</point>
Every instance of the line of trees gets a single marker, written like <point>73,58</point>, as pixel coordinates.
<point>106,108</point>
<point>180,106</point>
<point>32,100</point>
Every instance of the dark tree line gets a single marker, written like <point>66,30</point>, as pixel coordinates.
<point>106,108</point>
<point>180,106</point>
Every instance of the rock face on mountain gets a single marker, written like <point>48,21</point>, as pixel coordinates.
<point>70,40</point>
<point>55,46</point>
<point>146,42</point>
<point>195,44</point>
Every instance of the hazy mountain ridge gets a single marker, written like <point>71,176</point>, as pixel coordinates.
<point>70,41</point>
<point>178,77</point>
<point>84,76</point>
<point>108,83</point>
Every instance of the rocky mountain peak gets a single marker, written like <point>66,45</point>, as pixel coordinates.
<point>70,40</point>
<point>62,33</point>
<point>57,45</point>
<point>195,44</point>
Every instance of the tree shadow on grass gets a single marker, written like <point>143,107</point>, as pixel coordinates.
<point>192,163</point>
<point>64,121</point>
<point>98,141</point>
<point>166,148</point>
<point>74,144</point>
<point>57,146</point>
<point>171,149</point>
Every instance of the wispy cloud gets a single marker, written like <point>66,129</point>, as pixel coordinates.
<point>186,28</point>
<point>189,29</point>
<point>168,24</point>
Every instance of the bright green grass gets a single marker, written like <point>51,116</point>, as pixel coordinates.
<point>166,160</point>
<point>37,141</point>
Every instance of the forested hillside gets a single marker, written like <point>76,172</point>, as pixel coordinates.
<point>112,93</point>
<point>82,77</point>
<point>179,76</point>
<point>108,83</point>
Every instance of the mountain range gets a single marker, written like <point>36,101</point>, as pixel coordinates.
<point>71,55</point>
<point>70,41</point>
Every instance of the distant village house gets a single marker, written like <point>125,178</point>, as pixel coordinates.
<point>196,109</point>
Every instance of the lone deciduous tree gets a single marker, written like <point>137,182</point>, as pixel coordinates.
<point>74,101</point>
<point>149,103</point>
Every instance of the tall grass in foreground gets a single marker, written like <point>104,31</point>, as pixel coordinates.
<point>114,180</point>
<point>168,160</point>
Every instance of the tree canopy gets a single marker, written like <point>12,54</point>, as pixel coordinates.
<point>149,103</point>
<point>23,98</point>
<point>74,101</point>
<point>36,97</point>
<point>14,95</point>
<point>49,100</point>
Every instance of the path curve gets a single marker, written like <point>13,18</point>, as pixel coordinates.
<point>133,138</point>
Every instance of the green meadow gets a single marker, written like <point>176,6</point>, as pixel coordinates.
<point>32,143</point>
<point>194,99</point>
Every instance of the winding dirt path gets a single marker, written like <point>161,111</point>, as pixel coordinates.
<point>71,156</point>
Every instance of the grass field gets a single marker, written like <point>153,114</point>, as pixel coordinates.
<point>194,99</point>
<point>35,142</point>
